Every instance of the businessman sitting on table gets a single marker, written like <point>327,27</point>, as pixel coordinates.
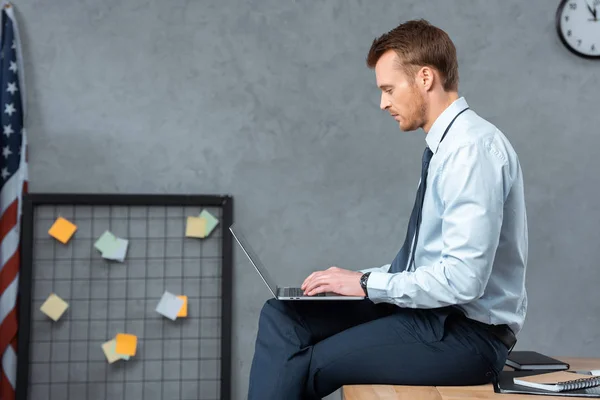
<point>447,309</point>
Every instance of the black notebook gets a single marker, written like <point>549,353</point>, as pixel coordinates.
<point>506,384</point>
<point>531,360</point>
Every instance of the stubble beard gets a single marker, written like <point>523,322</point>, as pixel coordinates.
<point>419,111</point>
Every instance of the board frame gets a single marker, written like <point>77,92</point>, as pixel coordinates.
<point>32,200</point>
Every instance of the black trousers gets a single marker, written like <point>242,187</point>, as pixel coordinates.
<point>306,350</point>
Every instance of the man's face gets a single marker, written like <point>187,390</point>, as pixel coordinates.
<point>400,95</point>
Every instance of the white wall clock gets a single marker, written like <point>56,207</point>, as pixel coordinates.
<point>578,26</point>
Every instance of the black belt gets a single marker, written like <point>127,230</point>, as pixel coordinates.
<point>502,332</point>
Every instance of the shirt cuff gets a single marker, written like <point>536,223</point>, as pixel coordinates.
<point>377,286</point>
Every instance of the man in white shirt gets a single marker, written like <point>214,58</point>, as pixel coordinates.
<point>447,309</point>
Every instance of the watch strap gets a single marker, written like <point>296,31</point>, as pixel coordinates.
<point>363,282</point>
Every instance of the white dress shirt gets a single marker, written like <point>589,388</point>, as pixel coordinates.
<point>472,245</point>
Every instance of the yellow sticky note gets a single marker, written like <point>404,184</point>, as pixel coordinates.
<point>62,230</point>
<point>110,352</point>
<point>126,344</point>
<point>183,310</point>
<point>196,227</point>
<point>54,307</point>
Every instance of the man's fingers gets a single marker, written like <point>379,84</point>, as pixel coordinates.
<point>325,287</point>
<point>317,281</point>
<point>310,285</point>
<point>308,279</point>
<point>311,278</point>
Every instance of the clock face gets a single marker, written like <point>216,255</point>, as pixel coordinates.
<point>578,26</point>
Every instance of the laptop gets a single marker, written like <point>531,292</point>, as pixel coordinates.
<point>281,293</point>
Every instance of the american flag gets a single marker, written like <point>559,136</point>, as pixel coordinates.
<point>13,183</point>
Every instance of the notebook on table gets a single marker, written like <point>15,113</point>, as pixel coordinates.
<point>532,360</point>
<point>560,383</point>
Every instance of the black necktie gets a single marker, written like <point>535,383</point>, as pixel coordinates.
<point>401,263</point>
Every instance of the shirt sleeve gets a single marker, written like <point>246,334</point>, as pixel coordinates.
<point>383,268</point>
<point>470,189</point>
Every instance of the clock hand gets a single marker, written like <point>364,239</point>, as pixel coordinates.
<point>592,11</point>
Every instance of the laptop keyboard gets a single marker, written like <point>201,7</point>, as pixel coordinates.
<point>297,292</point>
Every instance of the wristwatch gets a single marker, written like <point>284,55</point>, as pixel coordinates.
<point>363,282</point>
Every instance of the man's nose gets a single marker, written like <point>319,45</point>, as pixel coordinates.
<point>385,103</point>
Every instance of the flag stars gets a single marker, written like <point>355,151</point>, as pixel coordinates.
<point>8,130</point>
<point>12,88</point>
<point>12,146</point>
<point>10,109</point>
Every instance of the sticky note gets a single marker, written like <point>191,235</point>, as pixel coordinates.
<point>126,344</point>
<point>54,307</point>
<point>196,227</point>
<point>105,242</point>
<point>117,250</point>
<point>169,306</point>
<point>62,230</point>
<point>110,351</point>
<point>211,222</point>
<point>123,356</point>
<point>183,310</point>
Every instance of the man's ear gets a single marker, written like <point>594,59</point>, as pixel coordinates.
<point>425,78</point>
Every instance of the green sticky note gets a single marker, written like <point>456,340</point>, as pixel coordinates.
<point>117,250</point>
<point>211,221</point>
<point>105,242</point>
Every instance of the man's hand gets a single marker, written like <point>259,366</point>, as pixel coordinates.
<point>334,279</point>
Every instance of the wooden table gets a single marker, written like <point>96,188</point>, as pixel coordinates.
<point>389,392</point>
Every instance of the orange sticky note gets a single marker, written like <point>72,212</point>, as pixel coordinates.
<point>183,310</point>
<point>126,344</point>
<point>62,230</point>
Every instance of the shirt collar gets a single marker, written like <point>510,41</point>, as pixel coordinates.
<point>441,123</point>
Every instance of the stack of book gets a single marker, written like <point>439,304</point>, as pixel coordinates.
<point>539,374</point>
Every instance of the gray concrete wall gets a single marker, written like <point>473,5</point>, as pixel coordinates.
<point>271,102</point>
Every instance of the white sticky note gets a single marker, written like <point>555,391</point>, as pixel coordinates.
<point>169,306</point>
<point>117,251</point>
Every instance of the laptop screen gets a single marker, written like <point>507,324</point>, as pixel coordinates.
<point>241,239</point>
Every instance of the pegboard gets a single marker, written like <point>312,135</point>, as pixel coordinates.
<point>189,358</point>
